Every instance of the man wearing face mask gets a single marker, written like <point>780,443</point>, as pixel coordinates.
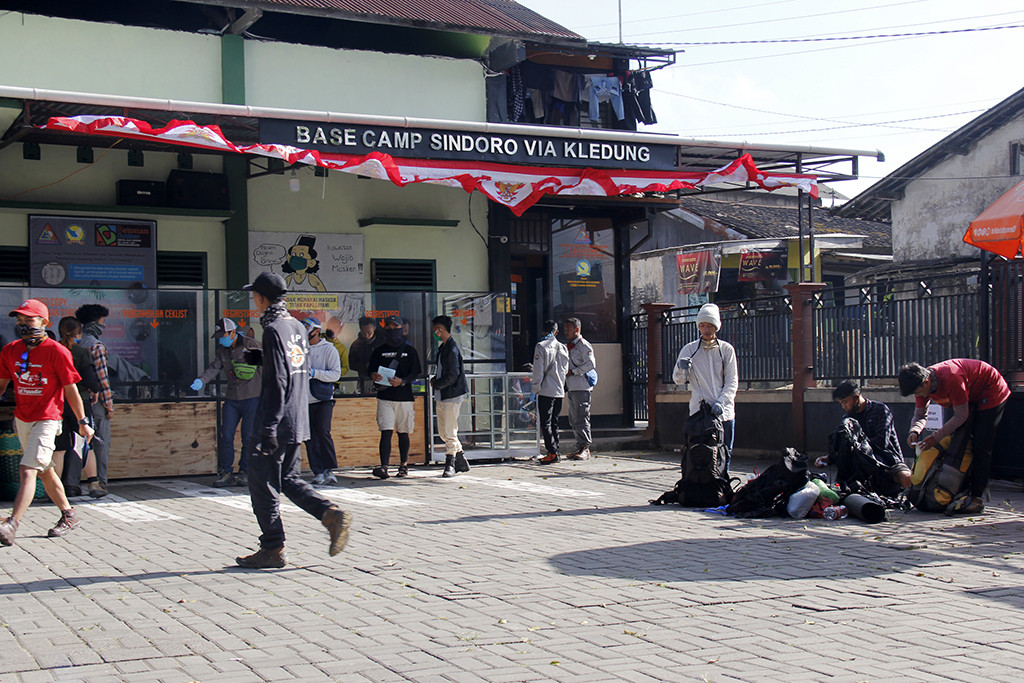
<point>450,384</point>
<point>93,318</point>
<point>44,377</point>
<point>240,399</point>
<point>394,394</point>
<point>362,348</point>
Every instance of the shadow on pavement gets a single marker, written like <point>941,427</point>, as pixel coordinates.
<point>84,582</point>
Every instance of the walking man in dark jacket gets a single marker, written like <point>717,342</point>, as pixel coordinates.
<point>240,400</point>
<point>450,384</point>
<point>283,423</point>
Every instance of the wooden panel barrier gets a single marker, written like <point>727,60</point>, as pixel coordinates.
<point>180,439</point>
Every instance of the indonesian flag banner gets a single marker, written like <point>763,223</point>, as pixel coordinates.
<point>514,186</point>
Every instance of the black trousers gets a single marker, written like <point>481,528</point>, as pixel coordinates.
<point>548,409</point>
<point>320,447</point>
<point>270,475</point>
<point>983,438</point>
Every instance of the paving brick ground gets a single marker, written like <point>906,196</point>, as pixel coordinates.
<point>511,573</point>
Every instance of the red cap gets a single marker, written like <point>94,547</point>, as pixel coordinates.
<point>33,307</point>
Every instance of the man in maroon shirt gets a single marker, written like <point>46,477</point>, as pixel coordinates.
<point>960,384</point>
<point>43,376</point>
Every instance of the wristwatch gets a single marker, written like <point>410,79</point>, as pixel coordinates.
<point>83,421</point>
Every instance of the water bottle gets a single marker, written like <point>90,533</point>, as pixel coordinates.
<point>833,512</point>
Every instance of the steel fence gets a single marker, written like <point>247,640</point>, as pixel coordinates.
<point>1006,313</point>
<point>637,365</point>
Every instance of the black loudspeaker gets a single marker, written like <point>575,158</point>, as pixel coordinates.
<point>197,190</point>
<point>141,193</point>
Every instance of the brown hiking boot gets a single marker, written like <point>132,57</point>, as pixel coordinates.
<point>68,521</point>
<point>8,531</point>
<point>338,523</point>
<point>263,559</point>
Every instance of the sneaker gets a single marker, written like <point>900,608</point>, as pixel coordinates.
<point>68,521</point>
<point>318,479</point>
<point>338,522</point>
<point>242,479</point>
<point>974,506</point>
<point>224,478</point>
<point>263,559</point>
<point>582,454</point>
<point>461,464</point>
<point>97,489</point>
<point>380,473</point>
<point>330,479</point>
<point>8,531</point>
<point>549,459</point>
<point>403,471</point>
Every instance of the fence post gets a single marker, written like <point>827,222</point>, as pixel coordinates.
<point>654,362</point>
<point>803,353</point>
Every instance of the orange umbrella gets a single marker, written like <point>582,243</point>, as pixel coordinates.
<point>998,229</point>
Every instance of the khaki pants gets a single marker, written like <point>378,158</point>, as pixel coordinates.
<point>448,424</point>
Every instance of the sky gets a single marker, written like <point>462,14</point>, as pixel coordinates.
<point>898,95</point>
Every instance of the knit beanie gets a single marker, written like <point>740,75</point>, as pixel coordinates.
<point>709,313</point>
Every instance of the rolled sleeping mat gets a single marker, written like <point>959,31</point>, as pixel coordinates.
<point>864,508</point>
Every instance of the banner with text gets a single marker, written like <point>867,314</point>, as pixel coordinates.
<point>91,252</point>
<point>699,270</point>
<point>762,266</point>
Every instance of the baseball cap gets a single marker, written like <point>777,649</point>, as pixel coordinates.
<point>33,307</point>
<point>393,319</point>
<point>312,323</point>
<point>225,325</point>
<point>270,285</point>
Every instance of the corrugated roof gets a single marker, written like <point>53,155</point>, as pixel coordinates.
<point>501,17</point>
<point>781,221</point>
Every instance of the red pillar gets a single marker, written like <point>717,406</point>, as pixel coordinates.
<point>654,362</point>
<point>803,354</point>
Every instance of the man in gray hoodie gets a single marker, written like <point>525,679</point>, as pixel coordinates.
<point>579,384</point>
<point>550,366</point>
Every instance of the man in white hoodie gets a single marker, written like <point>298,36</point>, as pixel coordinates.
<point>550,366</point>
<point>579,385</point>
<point>709,365</point>
<point>324,371</point>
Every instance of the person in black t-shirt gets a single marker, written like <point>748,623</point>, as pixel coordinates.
<point>394,394</point>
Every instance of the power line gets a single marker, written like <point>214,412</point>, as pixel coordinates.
<point>838,38</point>
<point>880,124</point>
<point>693,14</point>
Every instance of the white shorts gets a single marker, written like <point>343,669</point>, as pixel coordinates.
<point>395,415</point>
<point>37,442</point>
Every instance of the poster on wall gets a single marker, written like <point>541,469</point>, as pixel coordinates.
<point>762,266</point>
<point>310,262</point>
<point>699,270</point>
<point>91,252</point>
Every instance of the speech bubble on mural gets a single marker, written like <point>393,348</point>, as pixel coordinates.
<point>269,254</point>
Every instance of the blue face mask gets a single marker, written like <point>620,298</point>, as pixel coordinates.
<point>297,263</point>
<point>226,342</point>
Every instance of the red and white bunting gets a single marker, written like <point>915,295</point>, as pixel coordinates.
<point>517,187</point>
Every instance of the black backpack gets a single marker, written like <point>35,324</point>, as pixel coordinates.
<point>767,494</point>
<point>704,482</point>
<point>857,468</point>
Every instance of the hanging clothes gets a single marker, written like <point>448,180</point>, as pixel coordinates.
<point>516,95</point>
<point>605,89</point>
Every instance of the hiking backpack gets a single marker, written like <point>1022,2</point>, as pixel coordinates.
<point>766,495</point>
<point>704,482</point>
<point>857,468</point>
<point>940,473</point>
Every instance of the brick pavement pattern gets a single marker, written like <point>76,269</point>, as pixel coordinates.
<point>515,573</point>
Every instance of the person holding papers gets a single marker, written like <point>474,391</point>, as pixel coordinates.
<point>393,367</point>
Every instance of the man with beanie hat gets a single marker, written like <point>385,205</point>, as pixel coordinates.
<point>283,424</point>
<point>709,365</point>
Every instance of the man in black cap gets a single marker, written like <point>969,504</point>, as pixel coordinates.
<point>240,400</point>
<point>399,360</point>
<point>359,353</point>
<point>283,424</point>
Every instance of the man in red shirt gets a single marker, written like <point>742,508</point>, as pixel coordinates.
<point>960,384</point>
<point>43,376</point>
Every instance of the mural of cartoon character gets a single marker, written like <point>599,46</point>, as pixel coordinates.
<point>302,265</point>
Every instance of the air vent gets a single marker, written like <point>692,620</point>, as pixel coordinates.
<point>394,275</point>
<point>181,268</point>
<point>14,264</point>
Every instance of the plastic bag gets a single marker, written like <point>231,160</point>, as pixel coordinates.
<point>800,502</point>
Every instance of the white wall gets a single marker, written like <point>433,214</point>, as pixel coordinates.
<point>337,205</point>
<point>931,219</point>
<point>64,54</point>
<point>316,78</point>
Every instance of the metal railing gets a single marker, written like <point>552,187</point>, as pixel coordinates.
<point>871,331</point>
<point>1007,315</point>
<point>498,414</point>
<point>637,365</point>
<point>760,330</point>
